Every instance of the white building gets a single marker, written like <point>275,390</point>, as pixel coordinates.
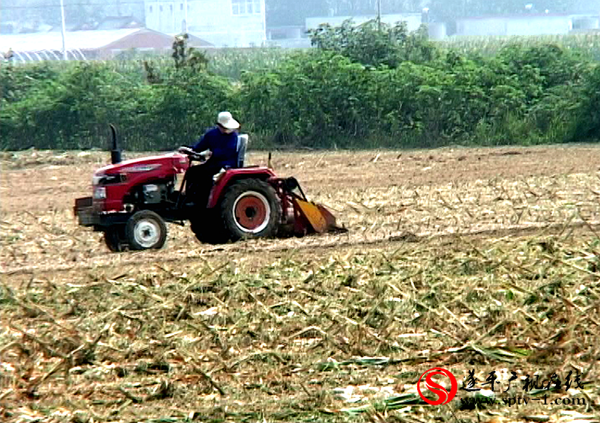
<point>223,23</point>
<point>538,24</point>
<point>84,45</point>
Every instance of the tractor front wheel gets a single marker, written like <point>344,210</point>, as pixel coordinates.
<point>146,230</point>
<point>114,238</point>
<point>251,209</point>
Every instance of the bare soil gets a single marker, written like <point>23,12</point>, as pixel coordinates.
<point>482,259</point>
<point>35,185</point>
<point>378,196</point>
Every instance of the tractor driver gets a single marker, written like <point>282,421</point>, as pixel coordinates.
<point>220,146</point>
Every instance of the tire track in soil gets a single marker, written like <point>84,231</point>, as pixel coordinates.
<point>366,175</point>
<point>593,228</point>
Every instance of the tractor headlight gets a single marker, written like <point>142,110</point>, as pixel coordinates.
<point>108,179</point>
<point>99,193</point>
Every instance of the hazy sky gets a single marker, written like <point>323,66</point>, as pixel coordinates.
<point>33,13</point>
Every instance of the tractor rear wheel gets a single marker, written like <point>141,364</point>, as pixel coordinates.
<point>251,209</point>
<point>146,230</point>
<point>207,227</point>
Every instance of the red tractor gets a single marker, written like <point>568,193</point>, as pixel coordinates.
<point>133,199</point>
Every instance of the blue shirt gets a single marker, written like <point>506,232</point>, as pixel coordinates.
<point>223,147</point>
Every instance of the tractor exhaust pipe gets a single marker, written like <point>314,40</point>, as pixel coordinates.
<point>115,153</point>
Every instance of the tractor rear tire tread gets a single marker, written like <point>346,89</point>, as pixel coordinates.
<point>208,228</point>
<point>239,188</point>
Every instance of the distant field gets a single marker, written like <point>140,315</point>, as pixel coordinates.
<point>583,43</point>
<point>466,259</point>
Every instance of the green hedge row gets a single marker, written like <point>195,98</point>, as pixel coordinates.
<point>319,98</point>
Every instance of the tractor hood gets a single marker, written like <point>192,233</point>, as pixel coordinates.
<point>165,164</point>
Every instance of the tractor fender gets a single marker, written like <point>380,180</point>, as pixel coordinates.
<point>232,175</point>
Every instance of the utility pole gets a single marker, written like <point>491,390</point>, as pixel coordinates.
<point>63,29</point>
<point>263,10</point>
<point>185,11</point>
<point>379,14</point>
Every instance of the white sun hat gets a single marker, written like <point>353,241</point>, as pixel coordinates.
<point>227,121</point>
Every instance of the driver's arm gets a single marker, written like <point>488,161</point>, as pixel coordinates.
<point>203,144</point>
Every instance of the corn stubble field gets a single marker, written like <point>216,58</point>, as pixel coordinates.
<point>466,259</point>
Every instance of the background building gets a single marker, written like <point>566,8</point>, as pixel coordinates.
<point>19,16</point>
<point>223,23</point>
<point>538,24</point>
<point>84,45</point>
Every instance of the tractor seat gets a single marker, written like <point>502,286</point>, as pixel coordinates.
<point>241,149</point>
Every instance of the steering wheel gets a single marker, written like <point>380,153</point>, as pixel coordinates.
<point>194,155</point>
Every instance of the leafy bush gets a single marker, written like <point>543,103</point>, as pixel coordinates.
<point>585,107</point>
<point>362,87</point>
<point>73,109</point>
<point>325,99</point>
<point>374,43</point>
<point>313,100</point>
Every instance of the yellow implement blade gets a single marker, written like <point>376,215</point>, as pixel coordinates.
<point>313,215</point>
<point>318,217</point>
